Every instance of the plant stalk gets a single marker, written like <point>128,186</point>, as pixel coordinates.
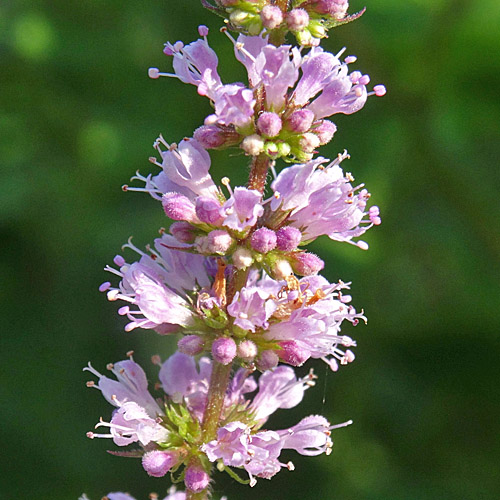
<point>258,172</point>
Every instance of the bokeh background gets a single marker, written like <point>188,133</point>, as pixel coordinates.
<point>78,116</point>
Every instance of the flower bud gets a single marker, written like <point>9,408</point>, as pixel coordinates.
<point>281,270</point>
<point>183,232</point>
<point>271,16</point>
<point>224,350</point>
<point>300,120</point>
<point>288,238</point>
<point>297,19</point>
<point>196,479</point>
<point>253,145</point>
<point>334,8</point>
<point>267,360</point>
<point>219,241</point>
<point>306,264</point>
<point>242,258</point>
<point>269,124</point>
<point>247,350</point>
<point>238,17</point>
<point>208,210</point>
<point>309,142</point>
<point>263,240</point>
<point>292,353</point>
<point>179,207</point>
<point>191,345</point>
<point>325,131</point>
<point>210,136</point>
<point>157,463</point>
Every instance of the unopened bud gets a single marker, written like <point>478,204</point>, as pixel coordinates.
<point>219,241</point>
<point>242,258</point>
<point>210,136</point>
<point>253,145</point>
<point>288,238</point>
<point>325,131</point>
<point>238,17</point>
<point>269,124</point>
<point>271,16</point>
<point>297,19</point>
<point>196,479</point>
<point>267,360</point>
<point>263,240</point>
<point>247,350</point>
<point>224,350</point>
<point>179,207</point>
<point>191,345</point>
<point>183,232</point>
<point>157,463</point>
<point>300,120</point>
<point>307,264</point>
<point>208,210</point>
<point>309,142</point>
<point>281,270</point>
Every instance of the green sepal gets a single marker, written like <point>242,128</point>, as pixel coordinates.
<point>215,318</point>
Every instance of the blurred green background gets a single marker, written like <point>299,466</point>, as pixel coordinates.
<point>78,116</point>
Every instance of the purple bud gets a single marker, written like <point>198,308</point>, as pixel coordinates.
<point>183,232</point>
<point>269,124</point>
<point>292,353</point>
<point>209,136</point>
<point>306,264</point>
<point>217,241</point>
<point>212,136</point>
<point>179,207</point>
<point>301,120</point>
<point>208,210</point>
<point>263,240</point>
<point>224,350</point>
<point>191,345</point>
<point>335,8</point>
<point>157,463</point>
<point>297,19</point>
<point>196,479</point>
<point>288,238</point>
<point>271,16</point>
<point>267,360</point>
<point>325,131</point>
<point>247,350</point>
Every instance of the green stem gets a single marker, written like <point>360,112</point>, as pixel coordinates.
<point>215,401</point>
<point>258,172</point>
<point>219,381</point>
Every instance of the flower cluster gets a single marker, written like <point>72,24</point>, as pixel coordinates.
<point>232,277</point>
<point>308,20</point>
<point>281,112</point>
<point>169,428</point>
